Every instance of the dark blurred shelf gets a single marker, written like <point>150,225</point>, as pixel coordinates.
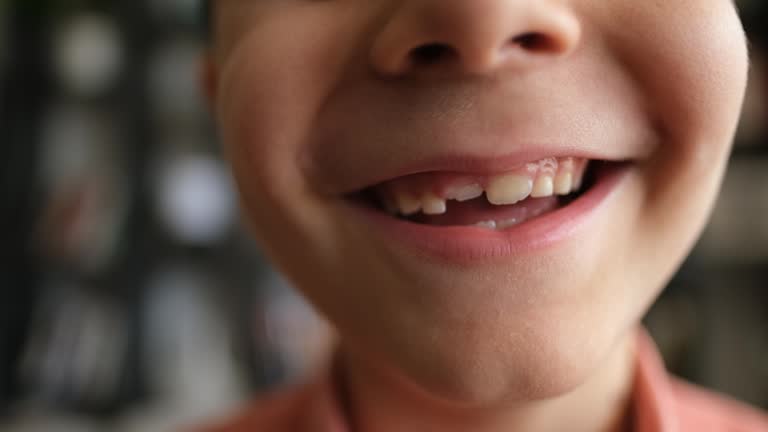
<point>145,248</point>
<point>757,150</point>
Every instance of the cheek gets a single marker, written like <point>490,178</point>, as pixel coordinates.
<point>690,61</point>
<point>271,87</point>
<point>692,69</point>
<point>698,88</point>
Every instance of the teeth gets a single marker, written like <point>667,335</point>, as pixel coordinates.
<point>563,183</point>
<point>465,193</point>
<point>577,183</point>
<point>408,205</point>
<point>543,187</point>
<point>506,223</point>
<point>498,225</point>
<point>486,224</point>
<point>509,189</point>
<point>432,205</point>
<point>545,178</point>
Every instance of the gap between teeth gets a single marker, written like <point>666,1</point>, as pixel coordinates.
<point>545,178</point>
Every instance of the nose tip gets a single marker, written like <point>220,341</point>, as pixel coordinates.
<point>473,36</point>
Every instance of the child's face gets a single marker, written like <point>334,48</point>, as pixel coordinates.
<point>321,100</point>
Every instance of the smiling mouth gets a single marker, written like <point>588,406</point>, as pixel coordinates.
<point>493,202</point>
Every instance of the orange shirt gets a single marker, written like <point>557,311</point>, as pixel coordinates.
<point>661,403</point>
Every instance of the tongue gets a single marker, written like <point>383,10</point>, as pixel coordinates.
<point>481,211</point>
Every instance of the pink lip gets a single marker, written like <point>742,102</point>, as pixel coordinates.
<point>466,245</point>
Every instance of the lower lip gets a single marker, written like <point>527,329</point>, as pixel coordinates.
<point>471,245</point>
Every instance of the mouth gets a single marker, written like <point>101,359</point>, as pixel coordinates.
<point>468,219</point>
<point>494,202</point>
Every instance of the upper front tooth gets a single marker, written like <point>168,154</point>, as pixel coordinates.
<point>465,193</point>
<point>408,205</point>
<point>509,189</point>
<point>543,187</point>
<point>432,205</point>
<point>564,183</point>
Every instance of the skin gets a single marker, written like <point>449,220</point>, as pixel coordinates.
<point>306,94</point>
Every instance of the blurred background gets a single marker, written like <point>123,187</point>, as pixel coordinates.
<point>132,300</point>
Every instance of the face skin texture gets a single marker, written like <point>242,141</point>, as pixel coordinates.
<point>315,99</point>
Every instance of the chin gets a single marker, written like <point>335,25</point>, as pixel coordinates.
<point>485,353</point>
<point>487,370</point>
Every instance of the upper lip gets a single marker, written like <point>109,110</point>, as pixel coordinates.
<point>370,133</point>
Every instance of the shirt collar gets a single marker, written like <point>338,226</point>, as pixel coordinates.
<point>653,402</point>
<point>653,405</point>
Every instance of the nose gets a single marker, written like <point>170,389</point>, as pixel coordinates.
<point>473,37</point>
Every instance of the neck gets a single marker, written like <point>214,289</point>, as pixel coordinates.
<point>378,401</point>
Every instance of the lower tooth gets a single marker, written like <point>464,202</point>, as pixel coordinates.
<point>486,224</point>
<point>507,223</point>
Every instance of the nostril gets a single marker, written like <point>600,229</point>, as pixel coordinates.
<point>435,53</point>
<point>432,53</point>
<point>535,42</point>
